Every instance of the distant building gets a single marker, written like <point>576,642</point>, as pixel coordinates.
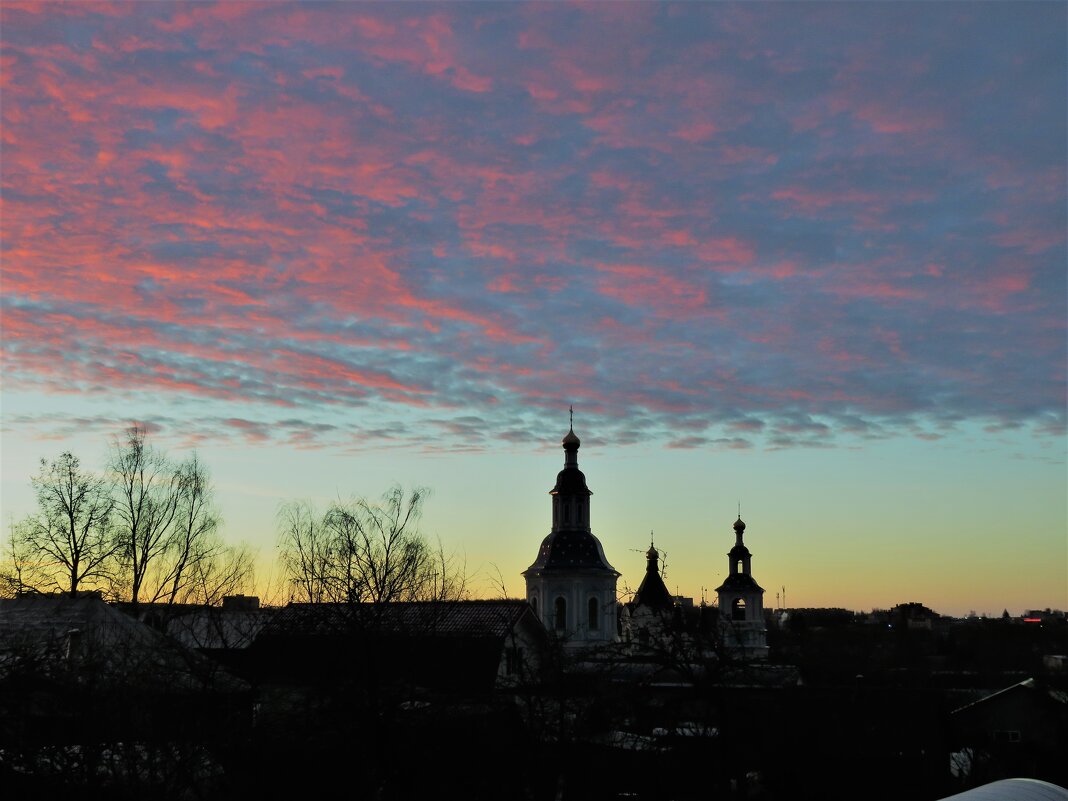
<point>741,602</point>
<point>571,586</point>
<point>1043,616</point>
<point>914,615</point>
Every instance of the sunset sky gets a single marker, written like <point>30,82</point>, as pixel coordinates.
<point>809,258</point>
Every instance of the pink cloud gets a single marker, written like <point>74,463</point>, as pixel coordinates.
<point>728,250</point>
<point>643,286</point>
<point>700,131</point>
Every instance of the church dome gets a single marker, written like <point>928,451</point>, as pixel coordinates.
<point>570,440</point>
<point>739,526</point>
<point>571,550</point>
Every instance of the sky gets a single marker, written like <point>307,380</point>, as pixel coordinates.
<point>809,258</point>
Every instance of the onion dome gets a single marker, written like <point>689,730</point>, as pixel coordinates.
<point>570,441</point>
<point>739,526</point>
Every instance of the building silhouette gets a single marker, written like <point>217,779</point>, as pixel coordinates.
<point>741,602</point>
<point>652,609</point>
<point>571,586</point>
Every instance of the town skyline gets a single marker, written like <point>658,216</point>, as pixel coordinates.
<point>867,566</point>
<point>808,258</point>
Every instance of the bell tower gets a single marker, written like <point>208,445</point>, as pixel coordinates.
<point>741,602</point>
<point>571,585</point>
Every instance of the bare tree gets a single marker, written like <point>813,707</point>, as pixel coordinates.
<point>172,548</point>
<point>194,545</point>
<point>305,553</point>
<point>149,492</point>
<point>223,570</point>
<point>22,566</point>
<point>366,552</point>
<point>69,543</point>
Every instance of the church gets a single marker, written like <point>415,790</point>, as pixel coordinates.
<point>572,587</point>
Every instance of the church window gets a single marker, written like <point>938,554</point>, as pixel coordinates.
<point>594,618</point>
<point>738,609</point>
<point>560,622</point>
<point>534,603</point>
<point>738,567</point>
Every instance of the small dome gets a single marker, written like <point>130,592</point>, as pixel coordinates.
<point>652,554</point>
<point>739,525</point>
<point>570,441</point>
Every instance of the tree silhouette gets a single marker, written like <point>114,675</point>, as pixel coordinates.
<point>147,490</point>
<point>197,566</point>
<point>68,543</point>
<point>365,552</point>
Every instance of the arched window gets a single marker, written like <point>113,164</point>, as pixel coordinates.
<point>738,567</point>
<point>738,609</point>
<point>593,616</point>
<point>534,603</point>
<point>560,618</point>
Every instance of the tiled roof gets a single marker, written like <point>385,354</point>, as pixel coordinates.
<point>39,621</point>
<point>488,619</point>
<point>86,633</point>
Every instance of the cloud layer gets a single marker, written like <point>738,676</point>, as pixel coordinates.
<point>715,225</point>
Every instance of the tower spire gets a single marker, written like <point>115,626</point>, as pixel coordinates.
<point>739,530</point>
<point>571,442</point>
